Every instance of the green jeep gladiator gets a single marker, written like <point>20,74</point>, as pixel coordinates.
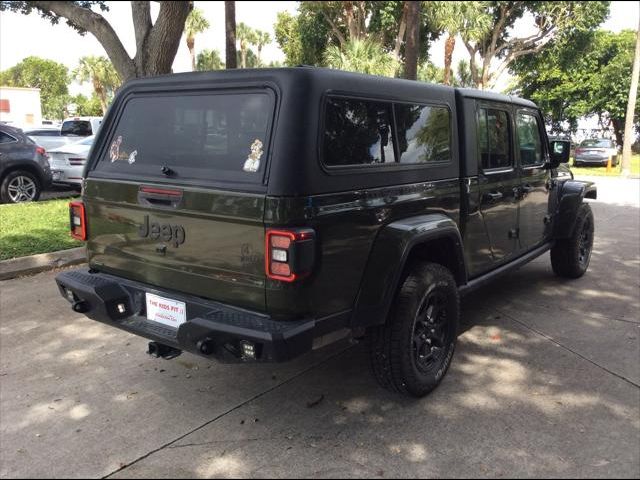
<point>253,215</point>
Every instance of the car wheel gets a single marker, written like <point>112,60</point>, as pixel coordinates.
<point>577,164</point>
<point>411,353</point>
<point>20,186</point>
<point>570,257</point>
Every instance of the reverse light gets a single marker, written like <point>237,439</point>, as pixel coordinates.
<point>289,254</point>
<point>78,221</point>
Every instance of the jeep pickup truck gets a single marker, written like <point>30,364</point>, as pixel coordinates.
<point>253,215</point>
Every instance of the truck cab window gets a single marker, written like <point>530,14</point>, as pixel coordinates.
<point>493,139</point>
<point>529,141</point>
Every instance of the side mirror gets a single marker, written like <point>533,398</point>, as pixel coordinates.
<point>560,152</point>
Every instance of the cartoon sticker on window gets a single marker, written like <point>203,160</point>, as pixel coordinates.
<point>252,164</point>
<point>116,154</point>
<point>132,157</point>
<point>114,151</point>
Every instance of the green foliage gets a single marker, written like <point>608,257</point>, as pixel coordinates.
<point>209,60</point>
<point>86,107</point>
<point>588,74</point>
<point>428,72</point>
<point>27,7</point>
<point>499,46</point>
<point>364,56</point>
<point>38,227</point>
<point>102,75</point>
<point>303,38</point>
<point>98,70</point>
<point>196,23</point>
<point>52,78</point>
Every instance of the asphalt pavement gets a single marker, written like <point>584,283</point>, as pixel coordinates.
<point>545,382</point>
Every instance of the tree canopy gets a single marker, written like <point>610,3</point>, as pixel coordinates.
<point>588,75</point>
<point>156,43</point>
<point>52,78</point>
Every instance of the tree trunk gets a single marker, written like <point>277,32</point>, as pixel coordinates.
<point>449,46</point>
<point>401,32</point>
<point>101,94</point>
<point>258,57</point>
<point>631,107</point>
<point>230,29</point>
<point>243,54</point>
<point>618,129</point>
<point>413,40</point>
<point>191,45</point>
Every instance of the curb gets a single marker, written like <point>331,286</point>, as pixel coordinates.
<point>18,267</point>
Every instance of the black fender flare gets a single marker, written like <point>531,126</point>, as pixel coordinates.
<point>387,259</point>
<point>572,193</point>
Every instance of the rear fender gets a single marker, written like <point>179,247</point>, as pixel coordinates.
<point>388,258</point>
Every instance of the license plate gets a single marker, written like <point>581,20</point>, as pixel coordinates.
<point>166,311</point>
<point>57,175</point>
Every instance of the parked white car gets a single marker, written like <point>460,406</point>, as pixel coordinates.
<point>67,162</point>
<point>48,137</point>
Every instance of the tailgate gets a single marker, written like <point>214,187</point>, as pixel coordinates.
<point>175,190</point>
<point>196,241</point>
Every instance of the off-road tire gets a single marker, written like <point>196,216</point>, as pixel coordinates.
<point>570,257</point>
<point>394,354</point>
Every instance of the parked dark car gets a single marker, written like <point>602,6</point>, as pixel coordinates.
<point>24,167</point>
<point>253,215</point>
<point>596,151</point>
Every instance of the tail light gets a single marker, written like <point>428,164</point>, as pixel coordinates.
<point>78,221</point>
<point>76,161</point>
<point>41,151</point>
<point>579,150</point>
<point>289,254</point>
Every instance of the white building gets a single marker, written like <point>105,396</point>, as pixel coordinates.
<point>20,107</point>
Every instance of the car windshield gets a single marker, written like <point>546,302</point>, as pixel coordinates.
<point>599,143</point>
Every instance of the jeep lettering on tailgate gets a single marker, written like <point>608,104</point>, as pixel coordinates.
<point>162,231</point>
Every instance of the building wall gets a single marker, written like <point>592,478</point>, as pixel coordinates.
<point>20,107</point>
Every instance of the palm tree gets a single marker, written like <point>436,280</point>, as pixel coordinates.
<point>364,56</point>
<point>230,34</point>
<point>101,73</point>
<point>246,36</point>
<point>261,39</point>
<point>459,18</point>
<point>209,60</point>
<point>196,23</point>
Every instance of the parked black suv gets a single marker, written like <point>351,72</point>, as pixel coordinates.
<point>24,167</point>
<point>252,215</point>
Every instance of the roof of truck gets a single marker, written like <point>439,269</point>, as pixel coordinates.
<point>326,76</point>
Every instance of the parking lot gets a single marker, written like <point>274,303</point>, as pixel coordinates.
<point>545,382</point>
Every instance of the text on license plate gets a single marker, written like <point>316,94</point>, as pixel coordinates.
<point>166,311</point>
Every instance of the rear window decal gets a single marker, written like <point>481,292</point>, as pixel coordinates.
<point>252,164</point>
<point>114,151</point>
<point>132,157</point>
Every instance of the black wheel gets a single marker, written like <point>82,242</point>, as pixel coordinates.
<point>411,353</point>
<point>570,256</point>
<point>20,186</point>
<point>577,164</point>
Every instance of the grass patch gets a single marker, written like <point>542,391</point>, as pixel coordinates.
<point>602,171</point>
<point>37,227</point>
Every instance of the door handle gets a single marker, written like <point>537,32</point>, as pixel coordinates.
<point>492,196</point>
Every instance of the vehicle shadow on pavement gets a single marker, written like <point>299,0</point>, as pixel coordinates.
<point>544,383</point>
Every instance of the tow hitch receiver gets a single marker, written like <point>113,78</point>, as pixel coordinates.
<point>159,350</point>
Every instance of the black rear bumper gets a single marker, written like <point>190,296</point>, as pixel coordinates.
<point>212,330</point>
